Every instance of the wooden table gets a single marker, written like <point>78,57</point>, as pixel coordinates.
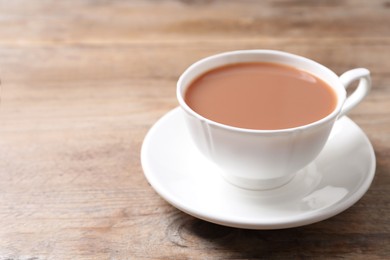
<point>83,81</point>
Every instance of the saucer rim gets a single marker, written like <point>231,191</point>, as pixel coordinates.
<point>302,219</point>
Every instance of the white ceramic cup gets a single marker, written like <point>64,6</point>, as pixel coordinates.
<point>266,159</point>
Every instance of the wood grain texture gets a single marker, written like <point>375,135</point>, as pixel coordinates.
<point>83,81</point>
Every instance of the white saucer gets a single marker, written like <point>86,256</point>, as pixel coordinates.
<point>337,179</point>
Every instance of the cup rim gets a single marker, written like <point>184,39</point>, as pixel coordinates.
<point>340,98</point>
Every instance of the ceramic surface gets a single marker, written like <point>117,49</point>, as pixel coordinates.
<point>264,159</point>
<point>180,174</point>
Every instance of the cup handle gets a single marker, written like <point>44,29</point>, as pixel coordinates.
<point>361,74</point>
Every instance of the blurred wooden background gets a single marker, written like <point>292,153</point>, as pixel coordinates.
<point>83,81</point>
